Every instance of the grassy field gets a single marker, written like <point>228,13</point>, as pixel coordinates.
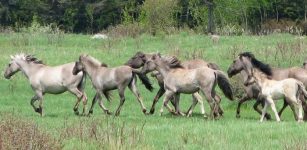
<point>132,129</point>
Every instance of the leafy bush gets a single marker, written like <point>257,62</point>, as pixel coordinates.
<point>158,15</point>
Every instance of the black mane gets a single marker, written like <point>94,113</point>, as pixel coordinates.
<point>31,58</point>
<point>174,62</point>
<point>265,68</point>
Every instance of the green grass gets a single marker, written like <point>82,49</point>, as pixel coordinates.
<point>152,132</point>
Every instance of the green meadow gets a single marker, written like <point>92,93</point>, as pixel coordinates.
<point>61,129</point>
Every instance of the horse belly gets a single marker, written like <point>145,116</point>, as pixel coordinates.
<point>275,93</point>
<point>187,88</point>
<point>55,89</point>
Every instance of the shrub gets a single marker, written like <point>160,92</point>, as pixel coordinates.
<point>19,134</point>
<point>158,15</point>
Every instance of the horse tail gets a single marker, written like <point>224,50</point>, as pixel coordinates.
<point>145,80</point>
<point>224,84</point>
<point>302,88</point>
<point>82,83</point>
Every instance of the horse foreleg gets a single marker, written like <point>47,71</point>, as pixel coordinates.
<point>157,97</point>
<point>168,95</point>
<point>189,112</point>
<point>273,107</point>
<point>121,92</point>
<point>38,96</point>
<point>264,111</point>
<point>135,91</point>
<point>256,108</point>
<point>33,99</point>
<point>93,103</point>
<point>79,96</point>
<point>283,107</point>
<point>241,101</point>
<point>177,99</point>
<point>102,105</point>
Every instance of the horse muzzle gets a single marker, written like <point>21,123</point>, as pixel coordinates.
<point>7,76</point>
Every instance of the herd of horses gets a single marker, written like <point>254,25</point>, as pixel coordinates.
<point>261,82</point>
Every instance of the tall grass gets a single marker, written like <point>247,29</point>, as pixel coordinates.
<point>133,130</point>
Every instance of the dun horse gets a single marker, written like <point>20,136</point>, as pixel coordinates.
<point>271,90</point>
<point>105,79</point>
<point>252,91</point>
<point>47,79</point>
<point>139,59</point>
<point>189,81</point>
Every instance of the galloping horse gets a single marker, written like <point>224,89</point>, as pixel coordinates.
<point>105,79</point>
<point>252,91</point>
<point>189,81</point>
<point>140,58</point>
<point>47,79</point>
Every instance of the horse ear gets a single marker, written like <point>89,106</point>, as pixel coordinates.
<point>159,55</point>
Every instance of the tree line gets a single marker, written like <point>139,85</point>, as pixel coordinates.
<point>90,16</point>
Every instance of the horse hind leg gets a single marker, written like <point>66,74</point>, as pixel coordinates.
<point>218,111</point>
<point>211,101</point>
<point>283,107</point>
<point>135,91</point>
<point>218,100</point>
<point>121,92</point>
<point>297,108</point>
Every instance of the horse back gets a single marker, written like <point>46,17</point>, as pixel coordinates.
<point>193,64</point>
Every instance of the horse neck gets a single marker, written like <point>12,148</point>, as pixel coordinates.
<point>244,75</point>
<point>163,69</point>
<point>29,68</point>
<point>90,68</point>
<point>261,79</point>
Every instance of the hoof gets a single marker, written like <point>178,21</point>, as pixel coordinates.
<point>174,113</point>
<point>144,111</point>
<point>76,113</point>
<point>109,113</point>
<point>152,111</point>
<point>238,116</point>
<point>38,110</point>
<point>90,112</point>
<point>268,116</point>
